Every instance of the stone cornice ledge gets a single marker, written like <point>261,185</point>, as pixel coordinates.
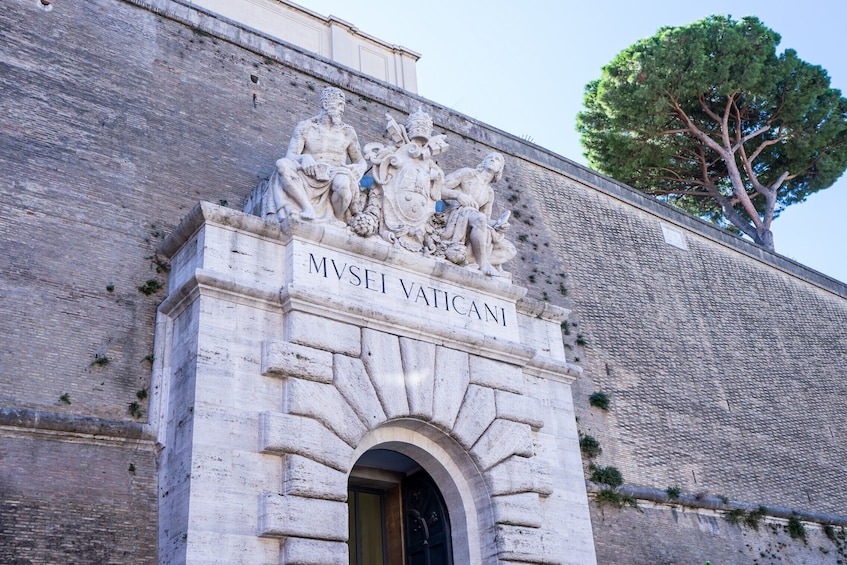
<point>208,213</point>
<point>218,284</point>
<point>543,310</point>
<point>302,299</point>
<point>553,369</point>
<point>339,239</point>
<point>27,419</point>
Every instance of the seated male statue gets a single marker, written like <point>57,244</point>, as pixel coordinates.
<point>471,236</point>
<point>319,175</point>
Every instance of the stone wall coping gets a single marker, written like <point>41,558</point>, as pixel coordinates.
<point>74,424</point>
<point>717,503</point>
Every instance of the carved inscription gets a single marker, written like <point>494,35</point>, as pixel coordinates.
<point>405,288</point>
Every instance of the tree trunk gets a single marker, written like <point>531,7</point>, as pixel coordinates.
<point>764,237</point>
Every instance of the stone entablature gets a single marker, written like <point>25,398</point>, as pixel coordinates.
<point>329,37</point>
<point>279,368</point>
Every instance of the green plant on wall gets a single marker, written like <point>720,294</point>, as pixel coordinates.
<point>734,516</point>
<point>614,498</point>
<point>599,400</point>
<point>135,410</point>
<point>100,359</point>
<point>590,446</point>
<point>149,287</point>
<point>606,475</point>
<point>796,529</point>
<point>751,519</point>
<point>754,517</point>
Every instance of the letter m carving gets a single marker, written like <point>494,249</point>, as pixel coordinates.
<point>320,268</point>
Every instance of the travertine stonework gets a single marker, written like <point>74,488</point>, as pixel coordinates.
<point>288,351</point>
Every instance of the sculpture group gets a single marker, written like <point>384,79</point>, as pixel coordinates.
<point>320,175</point>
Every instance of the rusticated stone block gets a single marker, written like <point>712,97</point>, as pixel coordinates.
<point>496,374</point>
<point>519,474</point>
<point>449,386</point>
<point>353,383</point>
<point>284,359</point>
<point>502,439</point>
<point>285,434</point>
<point>521,509</point>
<point>310,479</point>
<point>322,333</point>
<point>520,408</point>
<point>381,357</point>
<point>527,545</point>
<point>283,516</point>
<point>476,414</point>
<point>302,551</point>
<point>324,403</point>
<point>418,369</point>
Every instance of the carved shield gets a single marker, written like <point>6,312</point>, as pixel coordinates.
<point>407,200</point>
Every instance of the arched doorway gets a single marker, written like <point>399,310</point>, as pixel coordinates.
<point>397,514</point>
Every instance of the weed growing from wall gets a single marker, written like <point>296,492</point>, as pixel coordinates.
<point>754,517</point>
<point>599,400</point>
<point>734,516</point>
<point>614,498</point>
<point>100,359</point>
<point>796,529</point>
<point>606,475</point>
<point>135,410</point>
<point>590,446</point>
<point>150,286</point>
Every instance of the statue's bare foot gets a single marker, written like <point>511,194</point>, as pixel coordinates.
<point>308,213</point>
<point>488,269</point>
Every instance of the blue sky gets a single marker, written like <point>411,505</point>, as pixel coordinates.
<point>522,67</point>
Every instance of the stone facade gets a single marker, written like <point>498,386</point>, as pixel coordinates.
<point>117,117</point>
<point>287,352</point>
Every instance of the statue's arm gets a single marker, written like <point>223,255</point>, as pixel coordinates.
<point>488,206</point>
<point>452,189</point>
<point>354,153</point>
<point>297,146</point>
<point>297,143</point>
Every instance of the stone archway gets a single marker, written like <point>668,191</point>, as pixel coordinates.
<point>454,473</point>
<point>468,420</point>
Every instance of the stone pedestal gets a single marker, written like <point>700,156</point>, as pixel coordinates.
<point>286,352</point>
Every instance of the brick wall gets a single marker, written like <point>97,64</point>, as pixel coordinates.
<point>73,500</point>
<point>669,536</point>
